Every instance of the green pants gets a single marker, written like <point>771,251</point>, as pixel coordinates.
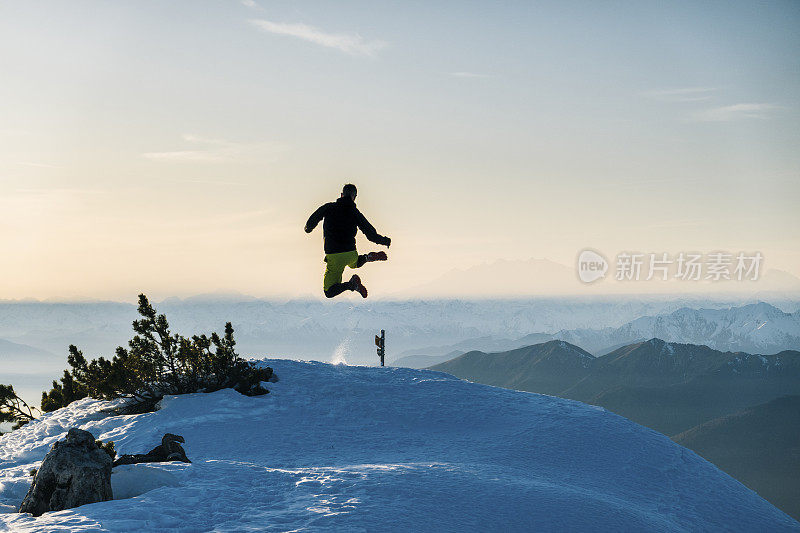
<point>335,264</point>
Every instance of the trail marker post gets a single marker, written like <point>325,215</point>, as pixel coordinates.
<point>380,342</point>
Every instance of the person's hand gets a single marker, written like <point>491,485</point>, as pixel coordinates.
<point>308,230</point>
<point>387,242</point>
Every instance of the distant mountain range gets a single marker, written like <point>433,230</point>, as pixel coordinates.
<point>754,328</point>
<point>759,446</point>
<point>339,330</point>
<point>16,357</point>
<point>670,387</point>
<point>29,369</point>
<point>319,329</point>
<point>759,328</point>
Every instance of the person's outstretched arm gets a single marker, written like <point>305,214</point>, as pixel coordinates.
<point>315,217</point>
<point>369,230</point>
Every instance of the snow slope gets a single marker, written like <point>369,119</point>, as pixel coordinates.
<point>388,449</point>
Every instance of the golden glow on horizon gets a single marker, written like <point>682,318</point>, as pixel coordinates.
<point>184,157</point>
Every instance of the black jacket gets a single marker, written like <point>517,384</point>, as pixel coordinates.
<point>342,220</point>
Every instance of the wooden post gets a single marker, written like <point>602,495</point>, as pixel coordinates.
<point>380,342</point>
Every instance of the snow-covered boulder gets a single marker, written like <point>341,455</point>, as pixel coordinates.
<point>73,473</point>
<point>341,448</point>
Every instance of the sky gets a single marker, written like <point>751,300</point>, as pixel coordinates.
<point>176,148</point>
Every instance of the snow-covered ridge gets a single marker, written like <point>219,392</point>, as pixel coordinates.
<point>735,359</point>
<point>764,364</point>
<point>754,328</point>
<point>389,449</point>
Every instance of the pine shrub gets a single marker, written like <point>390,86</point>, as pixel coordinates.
<point>156,363</point>
<point>13,408</point>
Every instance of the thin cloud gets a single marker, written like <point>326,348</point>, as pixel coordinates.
<point>352,44</point>
<point>252,4</point>
<point>38,165</point>
<point>215,183</point>
<point>469,75</point>
<point>216,151</point>
<point>685,94</point>
<point>734,112</point>
<point>189,137</point>
<point>55,191</point>
<point>200,156</point>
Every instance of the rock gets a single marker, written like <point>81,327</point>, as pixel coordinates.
<point>74,472</point>
<point>170,449</point>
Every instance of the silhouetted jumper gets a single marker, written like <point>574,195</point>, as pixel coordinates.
<point>342,220</point>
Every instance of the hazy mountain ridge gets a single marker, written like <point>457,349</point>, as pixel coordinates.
<point>273,327</point>
<point>343,330</point>
<point>753,328</point>
<point>759,446</point>
<point>15,349</point>
<point>21,358</point>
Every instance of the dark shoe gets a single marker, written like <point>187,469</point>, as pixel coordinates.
<point>355,283</point>
<point>376,256</point>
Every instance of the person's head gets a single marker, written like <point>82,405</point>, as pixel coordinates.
<point>349,190</point>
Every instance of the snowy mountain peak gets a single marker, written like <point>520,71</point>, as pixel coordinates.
<point>335,447</point>
<point>760,309</point>
<point>754,328</point>
<point>564,347</point>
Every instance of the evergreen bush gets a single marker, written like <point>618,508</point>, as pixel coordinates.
<point>157,363</point>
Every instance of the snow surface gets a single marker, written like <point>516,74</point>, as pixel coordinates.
<point>336,447</point>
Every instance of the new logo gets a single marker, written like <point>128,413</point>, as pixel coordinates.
<point>591,266</point>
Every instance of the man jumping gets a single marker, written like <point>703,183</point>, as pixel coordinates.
<point>342,221</point>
